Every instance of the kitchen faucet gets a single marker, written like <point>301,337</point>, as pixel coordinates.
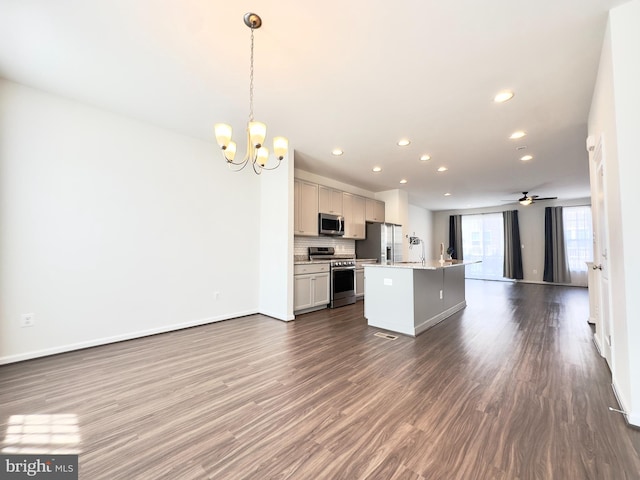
<point>414,241</point>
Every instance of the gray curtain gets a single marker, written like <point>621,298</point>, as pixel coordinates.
<point>512,267</point>
<point>556,267</point>
<point>455,236</point>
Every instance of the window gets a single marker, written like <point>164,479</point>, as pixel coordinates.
<point>578,238</point>
<point>483,239</point>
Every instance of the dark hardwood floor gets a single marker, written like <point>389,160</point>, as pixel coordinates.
<point>510,388</point>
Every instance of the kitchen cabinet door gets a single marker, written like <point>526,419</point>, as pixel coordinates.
<point>353,207</point>
<point>321,294</point>
<point>311,286</point>
<point>311,290</point>
<point>302,292</point>
<point>305,208</point>
<point>359,282</point>
<point>374,210</point>
<point>359,218</point>
<point>329,200</point>
<point>347,210</point>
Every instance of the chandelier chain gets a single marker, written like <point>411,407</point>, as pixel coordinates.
<point>256,153</point>
<point>251,81</point>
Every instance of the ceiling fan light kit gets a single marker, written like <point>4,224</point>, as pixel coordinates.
<point>529,199</point>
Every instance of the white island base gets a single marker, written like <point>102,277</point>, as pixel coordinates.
<point>409,298</point>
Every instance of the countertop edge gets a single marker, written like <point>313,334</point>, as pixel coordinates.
<point>430,265</point>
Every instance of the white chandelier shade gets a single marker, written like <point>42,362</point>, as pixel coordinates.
<point>256,152</point>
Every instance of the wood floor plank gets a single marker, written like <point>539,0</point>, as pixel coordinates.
<point>510,388</point>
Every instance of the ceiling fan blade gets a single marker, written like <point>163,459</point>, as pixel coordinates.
<point>545,198</point>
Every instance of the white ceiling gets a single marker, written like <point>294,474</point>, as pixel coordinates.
<point>354,74</point>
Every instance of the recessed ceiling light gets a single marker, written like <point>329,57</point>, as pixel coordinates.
<point>516,135</point>
<point>447,194</point>
<point>425,157</point>
<point>404,180</point>
<point>526,157</point>
<point>442,169</point>
<point>503,96</point>
<point>377,169</point>
<point>403,142</point>
<point>337,152</point>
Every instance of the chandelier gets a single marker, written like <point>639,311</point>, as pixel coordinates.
<point>257,153</point>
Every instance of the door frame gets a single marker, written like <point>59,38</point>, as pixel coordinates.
<point>604,332</point>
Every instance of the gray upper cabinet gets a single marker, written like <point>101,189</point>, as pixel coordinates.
<point>311,199</point>
<point>353,207</point>
<point>374,210</point>
<point>329,200</point>
<point>305,206</point>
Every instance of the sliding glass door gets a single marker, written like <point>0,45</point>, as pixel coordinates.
<point>483,239</point>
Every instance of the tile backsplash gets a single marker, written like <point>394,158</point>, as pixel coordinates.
<point>342,246</point>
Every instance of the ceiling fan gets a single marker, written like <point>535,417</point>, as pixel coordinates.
<point>529,199</point>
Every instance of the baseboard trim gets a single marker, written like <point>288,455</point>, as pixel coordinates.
<point>278,316</point>
<point>439,318</point>
<point>20,357</point>
<point>632,418</point>
<point>596,342</point>
<point>542,282</point>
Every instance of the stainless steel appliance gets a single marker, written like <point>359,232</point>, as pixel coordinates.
<point>343,275</point>
<point>383,242</point>
<point>330,224</point>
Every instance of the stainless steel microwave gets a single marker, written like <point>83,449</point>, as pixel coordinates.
<point>330,224</point>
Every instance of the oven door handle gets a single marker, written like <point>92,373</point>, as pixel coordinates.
<point>337,269</point>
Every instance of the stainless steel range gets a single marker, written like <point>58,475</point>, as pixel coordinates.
<point>343,275</point>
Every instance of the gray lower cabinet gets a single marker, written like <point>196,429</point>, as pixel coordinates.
<point>310,287</point>
<point>359,282</point>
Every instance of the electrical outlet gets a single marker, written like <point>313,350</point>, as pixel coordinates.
<point>27,320</point>
<point>216,295</point>
<point>440,294</point>
<point>535,272</point>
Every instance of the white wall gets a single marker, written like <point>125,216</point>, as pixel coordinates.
<point>626,52</point>
<point>420,224</point>
<point>531,221</point>
<point>276,240</point>
<point>396,210</point>
<point>615,117</point>
<point>111,228</point>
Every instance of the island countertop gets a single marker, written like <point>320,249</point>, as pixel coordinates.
<point>428,265</point>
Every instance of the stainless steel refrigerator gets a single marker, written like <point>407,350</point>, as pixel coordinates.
<point>383,242</point>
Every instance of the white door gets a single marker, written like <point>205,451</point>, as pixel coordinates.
<point>600,261</point>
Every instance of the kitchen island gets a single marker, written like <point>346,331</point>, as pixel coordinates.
<point>409,298</point>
